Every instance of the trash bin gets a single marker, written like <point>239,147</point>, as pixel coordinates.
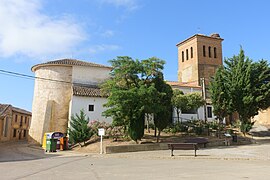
<point>51,145</point>
<point>234,137</point>
<point>63,143</point>
<point>58,144</point>
<point>52,142</point>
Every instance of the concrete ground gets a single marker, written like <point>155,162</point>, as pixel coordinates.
<point>21,161</point>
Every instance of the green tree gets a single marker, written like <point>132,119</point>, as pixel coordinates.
<point>163,106</point>
<point>179,102</point>
<point>248,87</point>
<point>195,101</point>
<point>186,102</point>
<point>79,130</point>
<point>219,94</point>
<point>132,92</point>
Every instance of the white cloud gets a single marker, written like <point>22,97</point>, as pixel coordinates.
<point>25,30</point>
<point>103,47</point>
<point>129,4</point>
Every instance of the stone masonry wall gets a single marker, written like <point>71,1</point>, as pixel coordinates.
<point>51,101</point>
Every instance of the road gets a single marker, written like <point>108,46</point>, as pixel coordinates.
<point>27,162</point>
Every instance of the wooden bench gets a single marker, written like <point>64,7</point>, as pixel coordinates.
<point>183,146</point>
<point>198,140</point>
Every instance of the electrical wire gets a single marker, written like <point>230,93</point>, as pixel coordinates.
<point>20,75</point>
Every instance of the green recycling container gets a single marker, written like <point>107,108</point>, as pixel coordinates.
<point>51,145</point>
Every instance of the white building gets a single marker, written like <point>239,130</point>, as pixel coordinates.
<point>62,88</point>
<point>201,114</point>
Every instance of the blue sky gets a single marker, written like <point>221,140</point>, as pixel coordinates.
<point>34,31</point>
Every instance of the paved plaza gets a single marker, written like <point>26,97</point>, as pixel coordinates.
<point>21,161</point>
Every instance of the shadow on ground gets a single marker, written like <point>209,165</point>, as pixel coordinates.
<point>22,151</point>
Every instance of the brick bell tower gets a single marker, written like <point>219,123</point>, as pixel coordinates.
<point>199,56</point>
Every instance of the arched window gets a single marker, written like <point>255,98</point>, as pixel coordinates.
<point>215,52</point>
<point>183,56</point>
<point>191,52</point>
<point>204,51</point>
<point>187,54</point>
<point>209,51</point>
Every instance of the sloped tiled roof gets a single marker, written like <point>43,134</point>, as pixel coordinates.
<point>21,111</point>
<point>88,91</point>
<point>69,62</point>
<point>4,107</point>
<point>199,35</point>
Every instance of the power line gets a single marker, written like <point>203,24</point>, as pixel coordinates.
<point>16,74</point>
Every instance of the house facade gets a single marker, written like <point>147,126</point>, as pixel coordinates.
<point>14,123</point>
<point>202,113</point>
<point>63,88</point>
<point>91,100</point>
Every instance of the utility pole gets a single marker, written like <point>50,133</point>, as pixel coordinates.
<point>204,98</point>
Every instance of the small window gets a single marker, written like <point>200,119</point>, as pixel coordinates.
<point>21,121</point>
<point>209,112</point>
<point>191,52</point>
<point>187,54</point>
<point>25,120</point>
<point>24,133</point>
<point>204,51</point>
<point>16,118</point>
<point>183,56</point>
<point>91,107</point>
<point>209,51</point>
<point>14,132</point>
<point>215,52</point>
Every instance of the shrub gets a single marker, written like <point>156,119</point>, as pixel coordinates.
<point>79,130</point>
<point>95,125</point>
<point>246,126</point>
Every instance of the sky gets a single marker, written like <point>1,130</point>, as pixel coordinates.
<point>36,31</point>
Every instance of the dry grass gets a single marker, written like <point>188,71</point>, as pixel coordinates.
<point>93,145</point>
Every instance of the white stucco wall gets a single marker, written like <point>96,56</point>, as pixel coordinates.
<point>90,75</point>
<point>186,117</point>
<point>80,102</point>
<point>200,115</point>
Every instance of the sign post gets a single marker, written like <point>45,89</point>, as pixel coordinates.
<point>101,132</point>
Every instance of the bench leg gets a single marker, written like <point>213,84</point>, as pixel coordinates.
<point>195,153</point>
<point>172,152</point>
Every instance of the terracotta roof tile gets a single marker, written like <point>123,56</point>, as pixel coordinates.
<point>70,62</point>
<point>88,91</point>
<point>4,107</point>
<point>199,35</point>
<point>21,111</point>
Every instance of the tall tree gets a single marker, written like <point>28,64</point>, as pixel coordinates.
<point>248,87</point>
<point>220,95</point>
<point>162,107</point>
<point>132,92</point>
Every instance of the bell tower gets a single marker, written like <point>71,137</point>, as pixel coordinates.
<point>199,56</point>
